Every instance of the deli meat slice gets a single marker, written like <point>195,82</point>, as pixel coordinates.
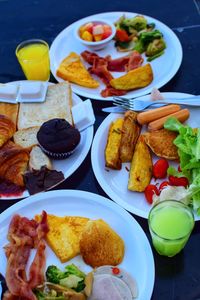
<point>24,235</point>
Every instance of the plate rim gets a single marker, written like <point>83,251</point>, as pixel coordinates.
<point>93,198</point>
<point>139,92</point>
<point>100,179</point>
<point>78,162</point>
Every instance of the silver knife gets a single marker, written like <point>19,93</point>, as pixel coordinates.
<point>114,109</point>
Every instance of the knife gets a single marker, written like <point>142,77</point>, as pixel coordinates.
<point>114,109</point>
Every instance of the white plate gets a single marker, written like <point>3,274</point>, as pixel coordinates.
<point>138,259</point>
<point>115,182</point>
<point>69,165</point>
<point>164,67</point>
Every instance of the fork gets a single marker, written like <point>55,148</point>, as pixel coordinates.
<point>138,105</point>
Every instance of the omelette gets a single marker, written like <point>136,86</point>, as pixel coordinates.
<point>73,70</point>
<point>64,235</point>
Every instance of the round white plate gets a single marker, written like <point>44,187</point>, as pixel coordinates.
<point>138,258</point>
<point>164,67</point>
<point>115,182</point>
<point>69,165</point>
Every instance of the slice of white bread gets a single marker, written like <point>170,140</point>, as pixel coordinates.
<point>26,138</point>
<point>58,104</point>
<point>38,159</point>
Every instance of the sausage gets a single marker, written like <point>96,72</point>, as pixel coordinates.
<point>182,115</point>
<point>157,113</point>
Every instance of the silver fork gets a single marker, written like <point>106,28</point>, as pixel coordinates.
<point>138,105</point>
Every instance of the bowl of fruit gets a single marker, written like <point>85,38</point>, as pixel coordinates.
<point>95,34</point>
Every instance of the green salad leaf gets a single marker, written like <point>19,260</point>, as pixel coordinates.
<point>188,144</point>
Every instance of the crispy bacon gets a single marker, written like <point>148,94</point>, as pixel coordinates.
<point>99,68</point>
<point>110,91</point>
<point>118,64</point>
<point>23,235</point>
<point>37,268</point>
<point>135,61</point>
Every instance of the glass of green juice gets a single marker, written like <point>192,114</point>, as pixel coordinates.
<point>170,223</point>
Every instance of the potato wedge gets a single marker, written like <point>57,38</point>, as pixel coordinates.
<point>112,155</point>
<point>130,133</point>
<point>134,79</point>
<point>141,167</point>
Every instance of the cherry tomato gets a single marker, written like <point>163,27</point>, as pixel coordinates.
<point>115,270</point>
<point>163,185</point>
<point>150,190</point>
<point>122,35</point>
<point>178,181</point>
<point>160,168</point>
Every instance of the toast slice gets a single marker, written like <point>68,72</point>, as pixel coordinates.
<point>58,104</point>
<point>64,235</point>
<point>73,70</point>
<point>38,159</point>
<point>26,138</point>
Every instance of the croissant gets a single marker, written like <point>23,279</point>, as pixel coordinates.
<point>7,129</point>
<point>13,163</point>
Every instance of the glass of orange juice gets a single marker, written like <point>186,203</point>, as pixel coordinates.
<point>33,56</point>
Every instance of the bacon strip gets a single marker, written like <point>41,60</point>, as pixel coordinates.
<point>101,67</point>
<point>37,268</point>
<point>23,235</point>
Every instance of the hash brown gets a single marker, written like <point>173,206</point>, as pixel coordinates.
<point>101,245</point>
<point>161,143</point>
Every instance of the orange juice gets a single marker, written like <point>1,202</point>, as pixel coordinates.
<point>34,59</point>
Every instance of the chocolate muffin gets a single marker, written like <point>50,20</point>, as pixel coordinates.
<point>57,138</point>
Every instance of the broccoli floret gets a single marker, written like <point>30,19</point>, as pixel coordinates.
<point>138,23</point>
<point>139,46</point>
<point>148,37</point>
<point>54,274</point>
<point>155,47</point>
<point>73,270</point>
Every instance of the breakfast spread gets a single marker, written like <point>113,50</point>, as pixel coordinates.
<point>68,236</point>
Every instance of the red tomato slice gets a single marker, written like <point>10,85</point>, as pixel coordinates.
<point>163,185</point>
<point>160,168</point>
<point>121,35</point>
<point>150,190</point>
<point>178,181</point>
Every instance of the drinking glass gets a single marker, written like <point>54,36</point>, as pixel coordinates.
<point>170,224</point>
<point>33,56</point>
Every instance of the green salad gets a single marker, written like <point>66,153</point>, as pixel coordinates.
<point>188,144</point>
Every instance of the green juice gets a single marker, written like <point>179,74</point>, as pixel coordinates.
<point>170,223</point>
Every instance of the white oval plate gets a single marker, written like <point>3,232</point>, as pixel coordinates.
<point>115,182</point>
<point>69,165</point>
<point>138,258</point>
<point>164,67</point>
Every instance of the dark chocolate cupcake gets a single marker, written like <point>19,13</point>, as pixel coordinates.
<point>57,138</point>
